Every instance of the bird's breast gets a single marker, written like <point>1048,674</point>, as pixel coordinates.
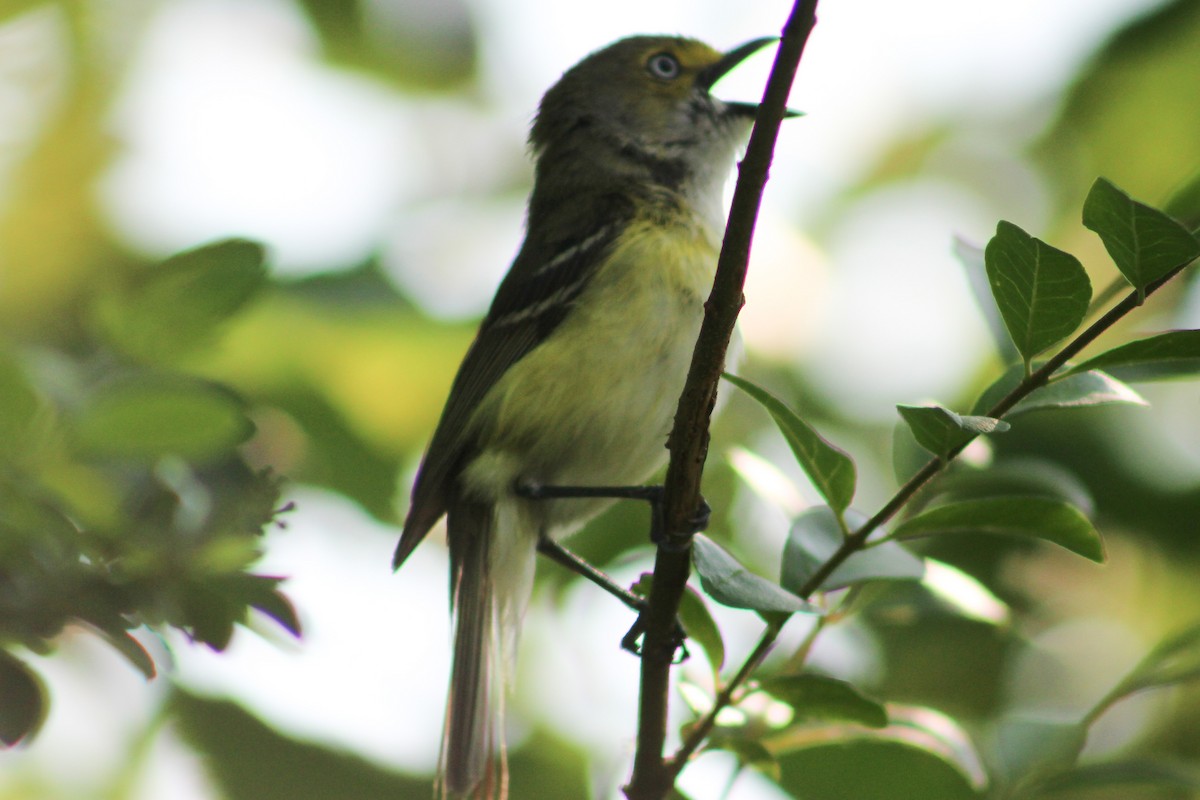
<point>593,404</point>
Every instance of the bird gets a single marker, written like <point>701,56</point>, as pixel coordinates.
<point>573,377</point>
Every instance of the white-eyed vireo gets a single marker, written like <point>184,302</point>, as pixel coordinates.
<point>576,370</point>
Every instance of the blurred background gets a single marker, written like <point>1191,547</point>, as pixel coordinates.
<point>376,148</point>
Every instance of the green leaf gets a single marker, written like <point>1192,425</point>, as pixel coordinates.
<point>1077,390</point>
<point>1174,660</point>
<point>1144,242</point>
<point>23,701</point>
<point>1041,292</point>
<point>815,536</point>
<point>920,754</point>
<point>753,754</point>
<point>222,732</point>
<point>820,697</point>
<point>697,622</point>
<point>731,584</point>
<point>942,432</point>
<point>1173,354</point>
<point>1028,748</point>
<point>830,469</point>
<point>19,405</point>
<point>1023,475</point>
<point>148,417</point>
<point>131,648</point>
<point>1120,773</point>
<point>1035,517</point>
<point>274,603</point>
<point>172,309</point>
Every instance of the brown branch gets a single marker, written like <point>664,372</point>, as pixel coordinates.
<point>652,776</point>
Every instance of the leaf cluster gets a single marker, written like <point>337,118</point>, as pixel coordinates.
<point>124,498</point>
<point>835,556</point>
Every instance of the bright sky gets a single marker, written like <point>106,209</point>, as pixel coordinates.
<point>233,126</point>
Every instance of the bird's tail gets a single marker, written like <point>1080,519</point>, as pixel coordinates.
<point>491,565</point>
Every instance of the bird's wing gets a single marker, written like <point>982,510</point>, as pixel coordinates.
<point>533,299</point>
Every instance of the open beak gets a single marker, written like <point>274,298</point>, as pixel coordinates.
<point>713,73</point>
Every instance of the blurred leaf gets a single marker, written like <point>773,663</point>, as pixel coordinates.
<point>701,628</point>
<point>1029,476</point>
<point>964,593</point>
<point>19,404</point>
<point>1184,204</point>
<point>731,584</point>
<point>940,431</point>
<point>250,761</point>
<point>1173,354</point>
<point>1034,517</point>
<point>1041,292</point>
<point>151,416</point>
<point>1028,748</point>
<point>424,45</point>
<point>752,753</point>
<point>696,619</point>
<point>208,615</point>
<point>1120,773</point>
<point>1174,660</point>
<point>970,256</point>
<point>921,753</point>
<point>23,700</point>
<point>1080,390</point>
<point>1076,390</point>
<point>830,469</point>
<point>172,309</point>
<point>342,459</point>
<point>277,606</point>
<point>1136,96</point>
<point>818,697</point>
<point>12,8</point>
<point>815,536</point>
<point>131,648</point>
<point>1144,242</point>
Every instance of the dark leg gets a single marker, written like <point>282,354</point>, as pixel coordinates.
<point>556,552</point>
<point>652,495</point>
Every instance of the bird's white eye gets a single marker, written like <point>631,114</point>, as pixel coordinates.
<point>664,66</point>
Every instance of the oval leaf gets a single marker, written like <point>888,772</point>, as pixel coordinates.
<point>22,700</point>
<point>730,584</point>
<point>1174,354</point>
<point>151,417</point>
<point>830,469</point>
<point>1036,517</point>
<point>1042,292</point>
<point>1144,242</point>
<point>173,308</point>
<point>820,697</point>
<point>942,432</point>
<point>816,535</point>
<point>921,753</point>
<point>1077,390</point>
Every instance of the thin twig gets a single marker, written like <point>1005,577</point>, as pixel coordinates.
<point>688,443</point>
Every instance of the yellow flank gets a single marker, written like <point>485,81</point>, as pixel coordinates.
<point>659,276</point>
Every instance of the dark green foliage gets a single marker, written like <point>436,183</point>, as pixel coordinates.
<point>124,500</point>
